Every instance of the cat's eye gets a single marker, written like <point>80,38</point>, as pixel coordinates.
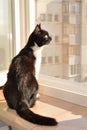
<point>46,36</point>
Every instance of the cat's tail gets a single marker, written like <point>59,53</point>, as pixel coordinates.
<point>30,116</point>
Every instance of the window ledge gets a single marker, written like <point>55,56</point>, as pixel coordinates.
<point>66,90</point>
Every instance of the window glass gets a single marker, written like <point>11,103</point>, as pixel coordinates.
<point>6,45</point>
<point>5,34</point>
<point>66,21</point>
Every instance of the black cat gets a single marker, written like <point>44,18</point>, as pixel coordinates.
<point>21,87</point>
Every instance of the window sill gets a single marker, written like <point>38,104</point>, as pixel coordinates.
<point>59,88</point>
<point>63,89</point>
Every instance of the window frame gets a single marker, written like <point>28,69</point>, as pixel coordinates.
<point>55,87</point>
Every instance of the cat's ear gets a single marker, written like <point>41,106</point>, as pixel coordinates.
<point>37,29</point>
<point>39,25</point>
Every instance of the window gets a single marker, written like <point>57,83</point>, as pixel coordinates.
<point>63,62</point>
<point>6,38</point>
<point>49,17</point>
<point>78,7</point>
<point>66,19</point>
<point>75,7</point>
<point>42,17</point>
<point>72,7</point>
<point>78,39</point>
<point>55,77</point>
<point>78,19</point>
<point>72,39</point>
<point>74,50</point>
<point>6,43</point>
<point>2,56</point>
<point>65,7</point>
<point>50,60</point>
<point>74,69</point>
<point>66,29</point>
<point>43,60</point>
<point>56,19</point>
<point>69,33</point>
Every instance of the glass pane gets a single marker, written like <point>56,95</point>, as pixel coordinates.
<point>5,34</point>
<point>66,21</point>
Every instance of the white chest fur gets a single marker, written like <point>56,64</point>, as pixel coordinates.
<point>37,52</point>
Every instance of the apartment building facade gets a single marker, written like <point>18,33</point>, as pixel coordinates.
<point>66,20</point>
<point>71,14</point>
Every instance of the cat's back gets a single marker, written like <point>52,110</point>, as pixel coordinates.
<point>23,62</point>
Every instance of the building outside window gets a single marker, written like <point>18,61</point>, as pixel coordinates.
<point>72,31</point>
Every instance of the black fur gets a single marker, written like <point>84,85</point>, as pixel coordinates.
<point>21,87</point>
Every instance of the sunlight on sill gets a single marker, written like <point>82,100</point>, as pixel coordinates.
<point>63,89</point>
<point>76,87</point>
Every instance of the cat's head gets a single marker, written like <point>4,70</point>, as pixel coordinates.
<point>41,37</point>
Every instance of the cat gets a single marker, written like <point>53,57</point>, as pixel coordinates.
<point>21,87</point>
